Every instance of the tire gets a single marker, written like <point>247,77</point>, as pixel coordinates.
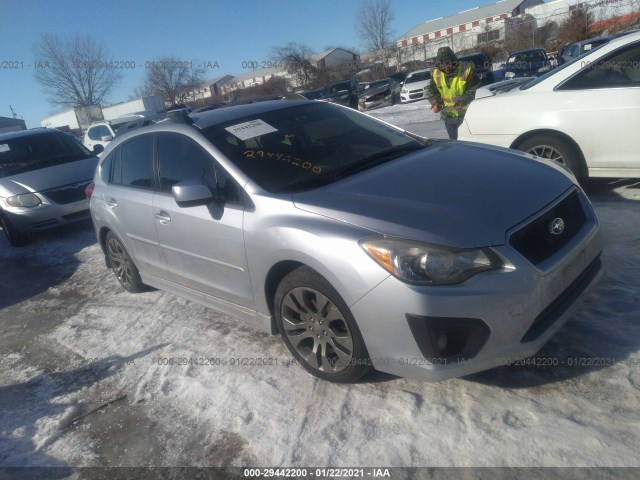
<point>318,328</point>
<point>125,270</point>
<point>15,237</point>
<point>554,148</point>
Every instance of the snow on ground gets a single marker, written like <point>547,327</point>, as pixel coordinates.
<point>91,375</point>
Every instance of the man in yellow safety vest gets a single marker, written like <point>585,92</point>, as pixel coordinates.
<point>452,88</point>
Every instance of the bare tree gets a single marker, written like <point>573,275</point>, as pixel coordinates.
<point>374,24</point>
<point>574,28</point>
<point>74,72</point>
<point>171,78</point>
<point>297,60</point>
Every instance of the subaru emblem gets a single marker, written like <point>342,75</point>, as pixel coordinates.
<point>556,227</point>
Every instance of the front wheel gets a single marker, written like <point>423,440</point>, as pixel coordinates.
<point>554,148</point>
<point>318,328</point>
<point>15,237</point>
<point>122,265</point>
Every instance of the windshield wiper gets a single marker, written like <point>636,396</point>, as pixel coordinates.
<point>374,160</point>
<point>370,161</point>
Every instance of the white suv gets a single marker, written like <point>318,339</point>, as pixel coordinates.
<point>102,132</point>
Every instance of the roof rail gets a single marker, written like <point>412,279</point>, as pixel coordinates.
<point>177,116</point>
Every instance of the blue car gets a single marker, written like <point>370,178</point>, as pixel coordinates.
<point>527,63</point>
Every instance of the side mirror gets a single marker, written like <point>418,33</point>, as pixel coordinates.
<point>106,138</point>
<point>192,193</point>
<point>98,148</point>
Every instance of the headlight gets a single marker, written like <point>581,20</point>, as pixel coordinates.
<point>509,75</point>
<point>425,264</point>
<point>24,200</point>
<point>404,90</point>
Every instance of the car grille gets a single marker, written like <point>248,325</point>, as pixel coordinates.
<point>69,194</point>
<point>535,240</point>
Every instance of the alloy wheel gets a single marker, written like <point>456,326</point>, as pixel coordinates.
<point>548,152</point>
<point>120,262</point>
<point>317,330</point>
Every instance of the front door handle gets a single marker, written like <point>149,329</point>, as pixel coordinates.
<point>163,217</point>
<point>111,202</point>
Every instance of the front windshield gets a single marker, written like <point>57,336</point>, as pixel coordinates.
<point>553,71</point>
<point>382,83</point>
<point>417,77</point>
<point>32,152</point>
<point>526,58</point>
<point>339,87</point>
<point>295,147</point>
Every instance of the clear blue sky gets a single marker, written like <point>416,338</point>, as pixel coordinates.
<point>228,32</point>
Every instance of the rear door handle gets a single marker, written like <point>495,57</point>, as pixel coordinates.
<point>111,202</point>
<point>163,217</point>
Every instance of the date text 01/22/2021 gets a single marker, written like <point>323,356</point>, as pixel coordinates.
<point>316,472</point>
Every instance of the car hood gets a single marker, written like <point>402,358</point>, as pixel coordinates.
<point>501,87</point>
<point>374,91</point>
<point>453,193</point>
<point>49,177</point>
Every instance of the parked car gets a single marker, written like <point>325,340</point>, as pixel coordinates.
<point>526,63</point>
<point>378,94</point>
<point>362,244</point>
<point>483,66</point>
<point>313,94</point>
<point>400,76</point>
<point>415,86</point>
<point>43,176</point>
<point>574,50</point>
<point>584,114</point>
<point>102,132</point>
<point>343,93</point>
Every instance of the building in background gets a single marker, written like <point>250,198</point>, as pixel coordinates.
<point>75,120</point>
<point>148,105</point>
<point>464,31</point>
<point>8,124</point>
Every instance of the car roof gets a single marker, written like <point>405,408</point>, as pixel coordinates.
<point>230,113</point>
<point>589,40</point>
<point>27,133</point>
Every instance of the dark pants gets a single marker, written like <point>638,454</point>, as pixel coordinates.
<point>452,124</point>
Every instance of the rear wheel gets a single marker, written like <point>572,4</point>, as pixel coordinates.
<point>554,148</point>
<point>122,265</point>
<point>318,328</point>
<point>15,237</point>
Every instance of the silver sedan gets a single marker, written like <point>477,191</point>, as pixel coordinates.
<point>43,176</point>
<point>363,245</point>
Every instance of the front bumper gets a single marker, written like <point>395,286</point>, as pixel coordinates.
<point>47,215</point>
<point>495,317</point>
<point>412,96</point>
<point>369,104</point>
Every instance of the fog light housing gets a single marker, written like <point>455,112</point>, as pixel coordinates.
<point>444,340</point>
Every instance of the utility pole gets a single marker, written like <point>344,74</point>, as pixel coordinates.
<point>15,115</point>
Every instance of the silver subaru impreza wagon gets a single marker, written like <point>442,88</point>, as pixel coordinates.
<point>363,245</point>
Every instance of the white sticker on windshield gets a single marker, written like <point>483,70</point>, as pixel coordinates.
<point>247,130</point>
<point>4,147</point>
